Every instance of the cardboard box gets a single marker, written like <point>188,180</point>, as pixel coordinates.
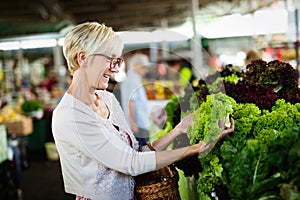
<point>20,128</point>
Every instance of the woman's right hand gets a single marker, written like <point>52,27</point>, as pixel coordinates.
<point>204,148</point>
<point>164,158</point>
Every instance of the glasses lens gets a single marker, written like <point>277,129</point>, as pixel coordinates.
<point>116,62</point>
<point>113,63</point>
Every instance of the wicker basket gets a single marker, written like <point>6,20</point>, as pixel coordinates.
<point>158,185</point>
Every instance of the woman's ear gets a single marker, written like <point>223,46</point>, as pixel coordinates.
<point>81,58</point>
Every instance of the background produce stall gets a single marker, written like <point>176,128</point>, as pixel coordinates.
<point>261,159</point>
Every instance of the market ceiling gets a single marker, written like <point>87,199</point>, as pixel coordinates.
<point>25,17</point>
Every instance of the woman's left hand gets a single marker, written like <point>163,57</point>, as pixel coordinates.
<point>183,125</point>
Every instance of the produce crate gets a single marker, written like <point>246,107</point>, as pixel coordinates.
<point>20,128</point>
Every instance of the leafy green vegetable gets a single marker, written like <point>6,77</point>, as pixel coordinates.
<point>245,116</point>
<point>271,124</point>
<point>247,170</point>
<point>210,176</point>
<point>233,78</point>
<point>207,118</point>
<point>261,159</point>
<point>31,105</point>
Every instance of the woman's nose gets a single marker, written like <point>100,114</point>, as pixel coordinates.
<point>115,69</point>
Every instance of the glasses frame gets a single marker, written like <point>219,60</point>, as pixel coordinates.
<point>113,61</point>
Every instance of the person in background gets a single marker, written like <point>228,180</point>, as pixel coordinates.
<point>182,74</point>
<point>134,98</point>
<point>98,152</point>
<point>251,55</point>
<point>51,80</point>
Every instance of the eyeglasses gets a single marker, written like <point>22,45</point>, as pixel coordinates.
<point>114,61</point>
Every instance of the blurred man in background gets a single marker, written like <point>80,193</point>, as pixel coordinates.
<point>134,98</point>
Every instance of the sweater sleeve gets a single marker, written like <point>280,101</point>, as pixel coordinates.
<point>80,126</point>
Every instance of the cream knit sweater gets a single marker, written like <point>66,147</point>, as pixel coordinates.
<point>96,157</point>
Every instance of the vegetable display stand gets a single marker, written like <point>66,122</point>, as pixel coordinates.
<point>260,159</point>
<point>161,184</point>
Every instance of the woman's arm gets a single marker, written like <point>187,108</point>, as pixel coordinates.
<point>164,158</point>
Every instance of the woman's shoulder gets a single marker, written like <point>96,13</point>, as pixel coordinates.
<point>69,103</point>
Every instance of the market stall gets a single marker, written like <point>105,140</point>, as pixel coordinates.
<point>260,159</point>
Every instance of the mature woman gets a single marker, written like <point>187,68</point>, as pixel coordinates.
<point>98,152</point>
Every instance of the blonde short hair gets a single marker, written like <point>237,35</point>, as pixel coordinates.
<point>90,37</point>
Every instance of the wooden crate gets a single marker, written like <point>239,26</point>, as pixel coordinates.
<point>20,128</point>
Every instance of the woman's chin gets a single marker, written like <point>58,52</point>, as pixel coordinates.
<point>102,86</point>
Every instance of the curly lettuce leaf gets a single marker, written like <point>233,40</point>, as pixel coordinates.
<point>207,118</point>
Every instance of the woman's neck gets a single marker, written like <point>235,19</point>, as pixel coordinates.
<point>80,88</point>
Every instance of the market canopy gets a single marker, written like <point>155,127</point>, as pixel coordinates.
<point>24,17</point>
